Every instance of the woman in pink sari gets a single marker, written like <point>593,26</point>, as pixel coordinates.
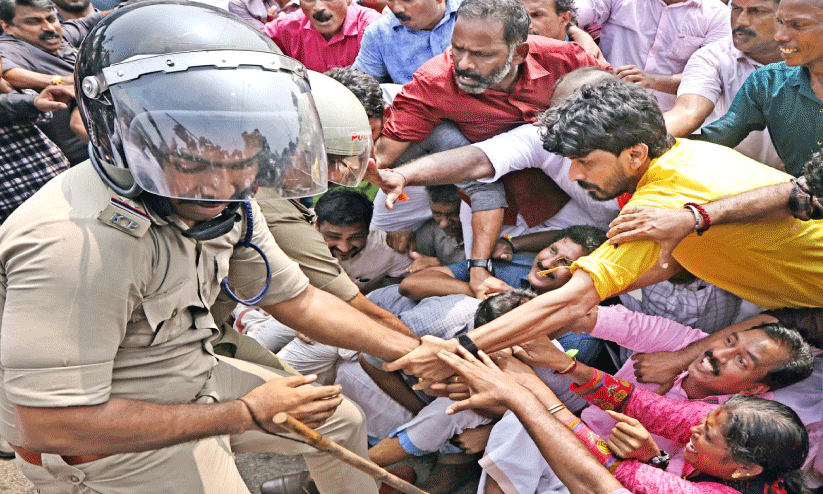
<point>746,445</point>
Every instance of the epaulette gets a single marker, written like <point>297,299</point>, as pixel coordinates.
<point>125,216</point>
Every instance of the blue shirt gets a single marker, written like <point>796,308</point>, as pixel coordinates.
<point>391,52</point>
<point>514,273</point>
<point>781,98</point>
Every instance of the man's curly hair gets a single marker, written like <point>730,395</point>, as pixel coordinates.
<point>813,171</point>
<point>609,116</point>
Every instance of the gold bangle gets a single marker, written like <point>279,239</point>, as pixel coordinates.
<point>556,408</point>
<point>57,80</point>
<point>568,369</point>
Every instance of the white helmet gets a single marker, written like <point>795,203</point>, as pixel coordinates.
<point>346,129</point>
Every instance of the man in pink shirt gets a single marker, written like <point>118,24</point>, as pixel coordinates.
<point>323,34</point>
<point>751,362</point>
<point>650,41</point>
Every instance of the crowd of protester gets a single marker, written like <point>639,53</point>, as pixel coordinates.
<point>588,244</point>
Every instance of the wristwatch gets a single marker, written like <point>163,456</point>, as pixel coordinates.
<point>480,263</point>
<point>468,344</point>
<point>661,462</point>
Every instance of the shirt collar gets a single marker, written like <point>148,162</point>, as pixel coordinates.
<point>451,11</point>
<point>740,57</point>
<point>531,69</point>
<point>798,77</point>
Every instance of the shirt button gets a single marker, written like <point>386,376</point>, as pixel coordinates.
<point>174,313</point>
<point>73,479</point>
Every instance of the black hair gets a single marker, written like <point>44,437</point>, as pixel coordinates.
<point>562,6</point>
<point>512,13</point>
<point>610,116</point>
<point>500,303</point>
<point>9,7</point>
<point>801,361</point>
<point>343,207</point>
<point>443,194</point>
<point>587,237</point>
<point>813,171</point>
<point>364,86</point>
<point>769,434</point>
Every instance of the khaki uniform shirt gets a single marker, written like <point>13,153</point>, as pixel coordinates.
<point>92,309</point>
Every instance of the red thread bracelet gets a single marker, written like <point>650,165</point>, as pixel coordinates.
<point>707,221</point>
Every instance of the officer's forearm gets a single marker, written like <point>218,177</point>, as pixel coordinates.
<point>379,314</point>
<point>121,426</point>
<point>331,321</point>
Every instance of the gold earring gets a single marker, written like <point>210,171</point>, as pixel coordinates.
<point>736,475</point>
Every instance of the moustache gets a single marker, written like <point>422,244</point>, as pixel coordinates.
<point>589,186</point>
<point>468,74</point>
<point>713,362</point>
<point>322,16</point>
<point>402,17</point>
<point>48,35</point>
<point>743,30</point>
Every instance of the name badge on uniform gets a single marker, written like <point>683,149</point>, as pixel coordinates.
<point>126,218</point>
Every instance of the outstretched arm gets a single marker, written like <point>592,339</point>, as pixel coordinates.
<point>688,114</point>
<point>670,226</point>
<point>544,315</point>
<point>331,321</point>
<point>447,167</point>
<point>569,458</point>
<point>433,282</point>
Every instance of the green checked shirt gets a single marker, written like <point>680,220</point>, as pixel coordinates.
<point>781,98</point>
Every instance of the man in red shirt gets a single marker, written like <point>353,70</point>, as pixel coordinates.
<point>323,33</point>
<point>493,78</point>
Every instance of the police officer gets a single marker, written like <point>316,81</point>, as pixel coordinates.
<point>109,382</point>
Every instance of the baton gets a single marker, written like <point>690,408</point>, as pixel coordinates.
<point>322,443</point>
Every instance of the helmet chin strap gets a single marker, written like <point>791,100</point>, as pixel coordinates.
<point>216,227</point>
<point>100,166</point>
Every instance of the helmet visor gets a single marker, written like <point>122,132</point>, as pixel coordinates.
<point>348,152</point>
<point>223,135</point>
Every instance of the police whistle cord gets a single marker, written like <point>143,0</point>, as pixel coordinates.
<point>322,443</point>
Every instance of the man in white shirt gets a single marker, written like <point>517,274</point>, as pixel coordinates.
<point>649,41</point>
<point>343,217</point>
<point>715,73</point>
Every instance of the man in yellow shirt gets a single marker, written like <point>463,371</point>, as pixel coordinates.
<point>616,139</point>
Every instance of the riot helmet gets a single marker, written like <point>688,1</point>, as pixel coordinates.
<point>346,130</point>
<point>183,100</point>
